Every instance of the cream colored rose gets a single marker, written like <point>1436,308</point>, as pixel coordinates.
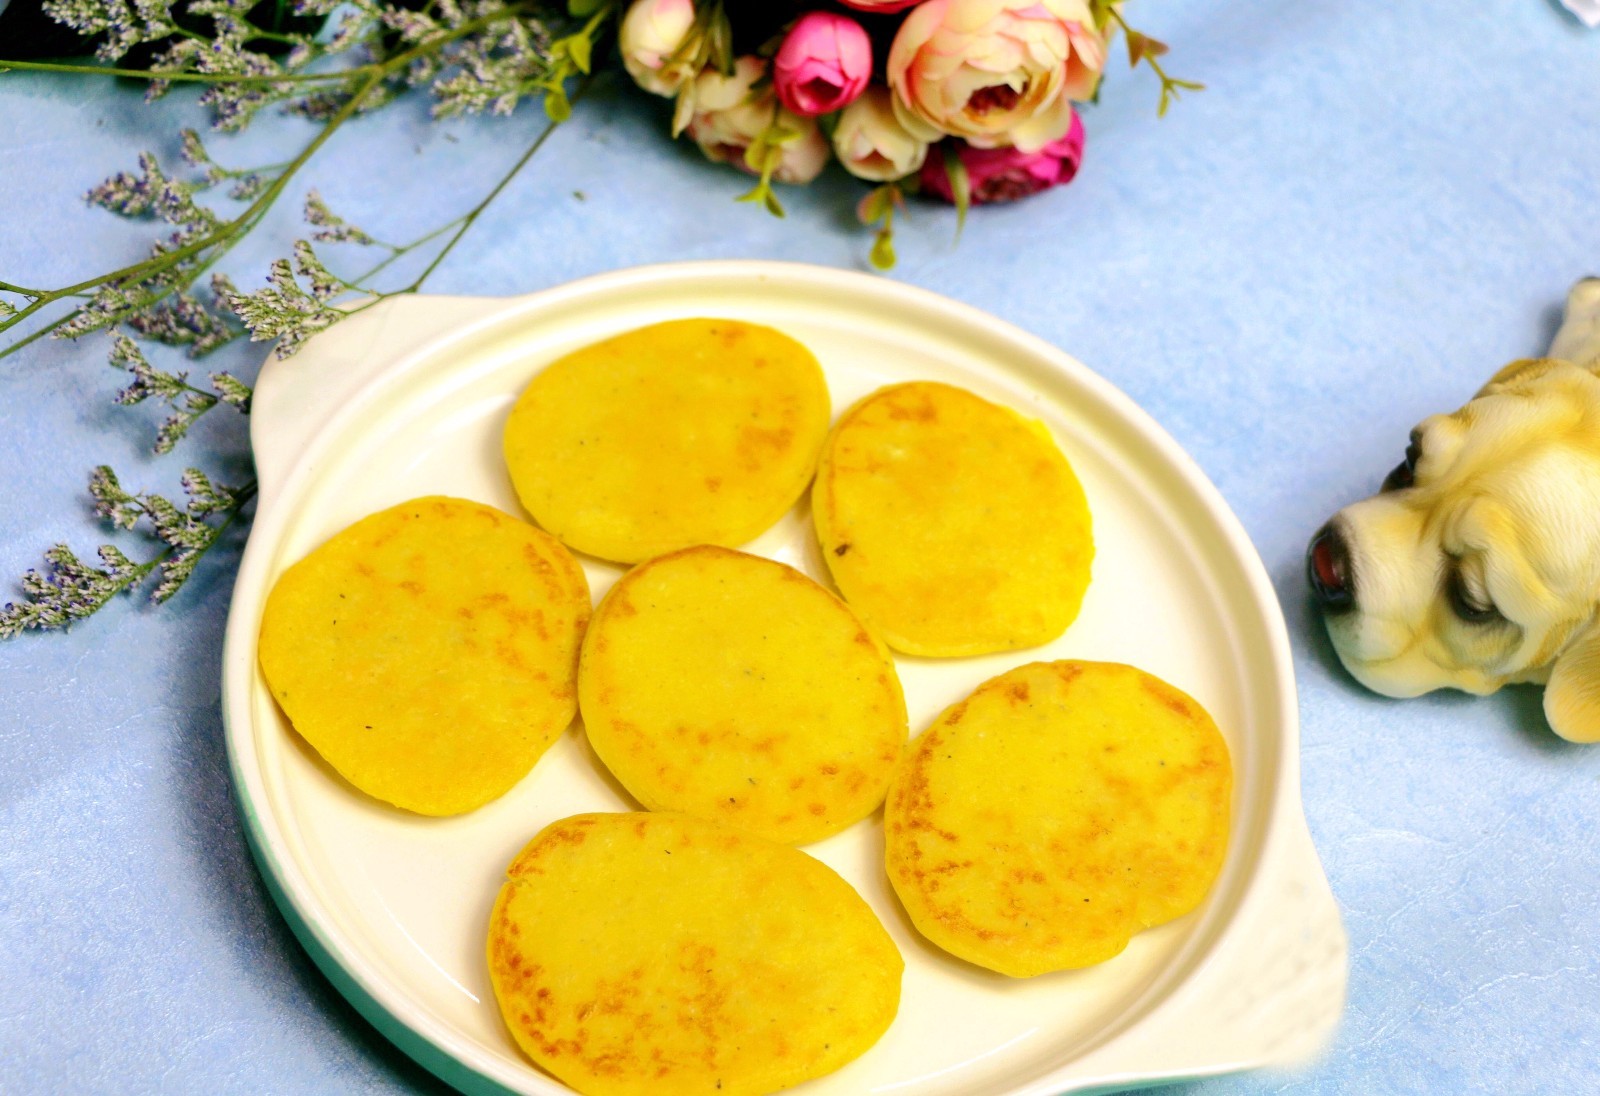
<point>871,142</point>
<point>730,115</point>
<point>651,32</point>
<point>997,73</point>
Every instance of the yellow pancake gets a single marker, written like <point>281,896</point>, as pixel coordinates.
<point>1058,810</point>
<point>687,432</point>
<point>953,526</point>
<point>429,652</point>
<point>662,955</point>
<point>735,688</point>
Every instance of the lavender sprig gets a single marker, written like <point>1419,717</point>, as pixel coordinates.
<point>472,55</point>
<point>68,589</point>
<point>186,402</point>
<point>330,227</point>
<point>284,310</point>
<point>125,24</point>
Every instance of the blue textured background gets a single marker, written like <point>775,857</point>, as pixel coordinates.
<point>1372,208</point>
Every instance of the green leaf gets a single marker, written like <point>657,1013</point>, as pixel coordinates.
<point>755,157</point>
<point>556,104</point>
<point>876,205</point>
<point>1136,47</point>
<point>762,192</point>
<point>719,41</point>
<point>582,9</point>
<point>960,185</point>
<point>580,49</point>
<point>883,256</point>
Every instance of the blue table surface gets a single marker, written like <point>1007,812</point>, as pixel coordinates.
<point>1372,208</point>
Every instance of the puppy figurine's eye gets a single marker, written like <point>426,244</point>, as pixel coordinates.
<point>1469,606</point>
<point>1405,473</point>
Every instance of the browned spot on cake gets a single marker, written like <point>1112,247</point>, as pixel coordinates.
<point>756,444</point>
<point>900,410</point>
<point>1168,698</point>
<point>507,652</point>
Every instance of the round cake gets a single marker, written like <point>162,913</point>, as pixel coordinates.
<point>735,688</point>
<point>1055,812</point>
<point>687,432</point>
<point>429,652</point>
<point>953,525</point>
<point>663,955</point>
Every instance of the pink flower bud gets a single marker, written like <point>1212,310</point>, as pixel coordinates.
<point>823,64</point>
<point>1006,174</point>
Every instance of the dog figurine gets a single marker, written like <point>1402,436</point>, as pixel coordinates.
<point>1477,564</point>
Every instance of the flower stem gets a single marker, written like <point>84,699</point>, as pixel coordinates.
<point>184,77</point>
<point>473,214</point>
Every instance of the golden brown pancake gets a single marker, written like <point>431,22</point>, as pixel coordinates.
<point>429,652</point>
<point>953,525</point>
<point>1058,810</point>
<point>735,688</point>
<point>688,432</point>
<point>663,955</point>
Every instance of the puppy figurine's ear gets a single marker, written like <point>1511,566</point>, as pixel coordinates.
<point>1578,341</point>
<point>1572,697</point>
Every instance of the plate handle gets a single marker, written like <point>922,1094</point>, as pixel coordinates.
<point>295,396</point>
<point>1271,994</point>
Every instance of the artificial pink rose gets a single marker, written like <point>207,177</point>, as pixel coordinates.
<point>1006,174</point>
<point>879,7</point>
<point>652,32</point>
<point>731,114</point>
<point>995,72</point>
<point>823,64</point>
<point>870,141</point>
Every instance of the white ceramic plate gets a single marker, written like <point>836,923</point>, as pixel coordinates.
<point>409,399</point>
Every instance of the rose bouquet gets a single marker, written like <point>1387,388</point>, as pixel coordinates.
<point>970,101</point>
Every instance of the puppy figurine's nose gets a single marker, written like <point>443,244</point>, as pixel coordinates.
<point>1328,568</point>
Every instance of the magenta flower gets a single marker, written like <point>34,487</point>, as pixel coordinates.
<point>823,64</point>
<point>1006,174</point>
